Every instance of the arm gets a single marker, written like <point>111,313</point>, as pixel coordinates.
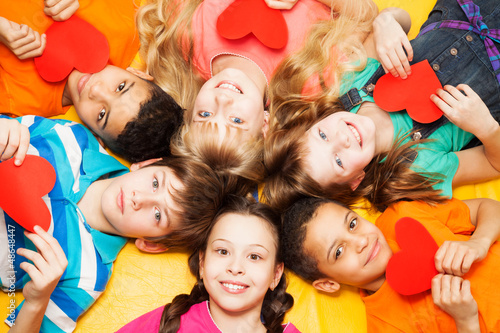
<point>14,140</point>
<point>60,10</point>
<point>455,257</point>
<point>390,30</point>
<point>48,266</point>
<point>468,111</point>
<point>452,295</point>
<point>23,41</point>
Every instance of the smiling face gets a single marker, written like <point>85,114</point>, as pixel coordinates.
<point>239,264</point>
<point>141,204</point>
<point>340,147</point>
<point>231,98</point>
<point>106,101</point>
<point>348,249</point>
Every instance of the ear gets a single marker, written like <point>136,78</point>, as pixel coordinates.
<point>150,247</point>
<point>142,164</point>
<point>265,127</point>
<point>355,182</point>
<point>327,285</point>
<point>140,74</point>
<point>278,272</point>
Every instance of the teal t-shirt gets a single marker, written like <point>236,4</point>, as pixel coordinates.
<point>435,156</point>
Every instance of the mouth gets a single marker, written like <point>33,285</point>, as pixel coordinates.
<point>229,86</point>
<point>373,251</point>
<point>356,134</point>
<point>234,287</point>
<point>119,201</point>
<point>83,82</point>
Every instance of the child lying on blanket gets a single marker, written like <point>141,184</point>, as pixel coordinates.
<point>329,245</point>
<point>131,115</point>
<point>95,205</point>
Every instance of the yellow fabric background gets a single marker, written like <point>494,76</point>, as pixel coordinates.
<point>142,282</point>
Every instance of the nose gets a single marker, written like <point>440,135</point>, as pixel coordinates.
<point>141,199</point>
<point>235,267</point>
<point>223,99</point>
<point>360,242</point>
<point>344,139</point>
<point>98,92</point>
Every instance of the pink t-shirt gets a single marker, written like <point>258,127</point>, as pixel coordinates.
<point>208,43</point>
<point>197,319</point>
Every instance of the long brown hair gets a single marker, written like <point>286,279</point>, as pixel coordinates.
<point>276,302</point>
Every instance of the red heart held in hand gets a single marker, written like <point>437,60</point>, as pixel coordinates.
<point>243,17</point>
<point>413,94</point>
<point>23,188</point>
<point>71,44</point>
<point>410,271</point>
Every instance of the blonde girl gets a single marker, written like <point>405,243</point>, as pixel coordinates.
<point>317,149</point>
<point>240,283</point>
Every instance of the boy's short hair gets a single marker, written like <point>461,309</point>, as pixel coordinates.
<point>148,135</point>
<point>293,233</point>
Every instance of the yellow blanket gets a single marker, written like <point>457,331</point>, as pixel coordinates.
<point>142,282</point>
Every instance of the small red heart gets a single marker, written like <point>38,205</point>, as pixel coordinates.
<point>23,188</point>
<point>243,17</point>
<point>410,271</point>
<point>413,94</point>
<point>73,43</point>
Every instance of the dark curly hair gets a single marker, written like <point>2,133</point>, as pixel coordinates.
<point>148,135</point>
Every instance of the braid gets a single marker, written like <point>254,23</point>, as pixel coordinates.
<point>171,317</point>
<point>276,303</point>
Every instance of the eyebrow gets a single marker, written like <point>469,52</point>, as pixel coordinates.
<point>109,111</point>
<point>166,209</point>
<point>330,249</point>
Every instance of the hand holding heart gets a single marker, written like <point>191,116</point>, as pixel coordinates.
<point>456,258</point>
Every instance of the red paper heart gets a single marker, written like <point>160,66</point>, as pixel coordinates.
<point>410,271</point>
<point>243,17</point>
<point>72,44</point>
<point>413,94</point>
<point>23,188</point>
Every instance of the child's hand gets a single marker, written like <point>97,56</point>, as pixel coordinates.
<point>281,4</point>
<point>23,41</point>
<point>466,111</point>
<point>456,258</point>
<point>452,295</point>
<point>390,43</point>
<point>60,10</point>
<point>14,140</point>
<point>49,263</point>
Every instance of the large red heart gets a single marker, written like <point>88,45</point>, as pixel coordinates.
<point>413,94</point>
<point>243,17</point>
<point>410,271</point>
<point>23,188</point>
<point>72,44</point>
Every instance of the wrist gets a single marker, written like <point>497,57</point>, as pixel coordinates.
<point>468,325</point>
<point>489,132</point>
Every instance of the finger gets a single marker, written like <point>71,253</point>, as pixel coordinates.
<point>458,259</point>
<point>4,140</point>
<point>439,256</point>
<point>29,43</point>
<point>448,258</point>
<point>455,289</point>
<point>403,58</point>
<point>467,90</point>
<point>51,3</point>
<point>436,289</point>
<point>13,142</point>
<point>53,243</point>
<point>31,270</point>
<point>465,291</point>
<point>38,51</point>
<point>24,143</point>
<point>396,61</point>
<point>387,64</point>
<point>445,289</point>
<point>35,257</point>
<point>441,104</point>
<point>67,12</point>
<point>408,48</point>
<point>469,259</point>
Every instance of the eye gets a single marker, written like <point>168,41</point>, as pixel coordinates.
<point>254,256</point>
<point>101,114</point>
<point>204,114</point>
<point>323,136</point>
<point>155,183</point>
<point>121,86</point>
<point>157,215</point>
<point>339,252</point>
<point>236,120</point>
<point>338,161</point>
<point>222,252</point>
<point>353,223</point>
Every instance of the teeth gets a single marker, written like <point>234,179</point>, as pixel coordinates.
<point>233,286</point>
<point>230,87</point>
<point>356,133</point>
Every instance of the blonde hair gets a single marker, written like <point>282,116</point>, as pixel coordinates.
<point>166,38</point>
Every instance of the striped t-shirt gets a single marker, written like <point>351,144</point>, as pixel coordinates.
<point>78,160</point>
